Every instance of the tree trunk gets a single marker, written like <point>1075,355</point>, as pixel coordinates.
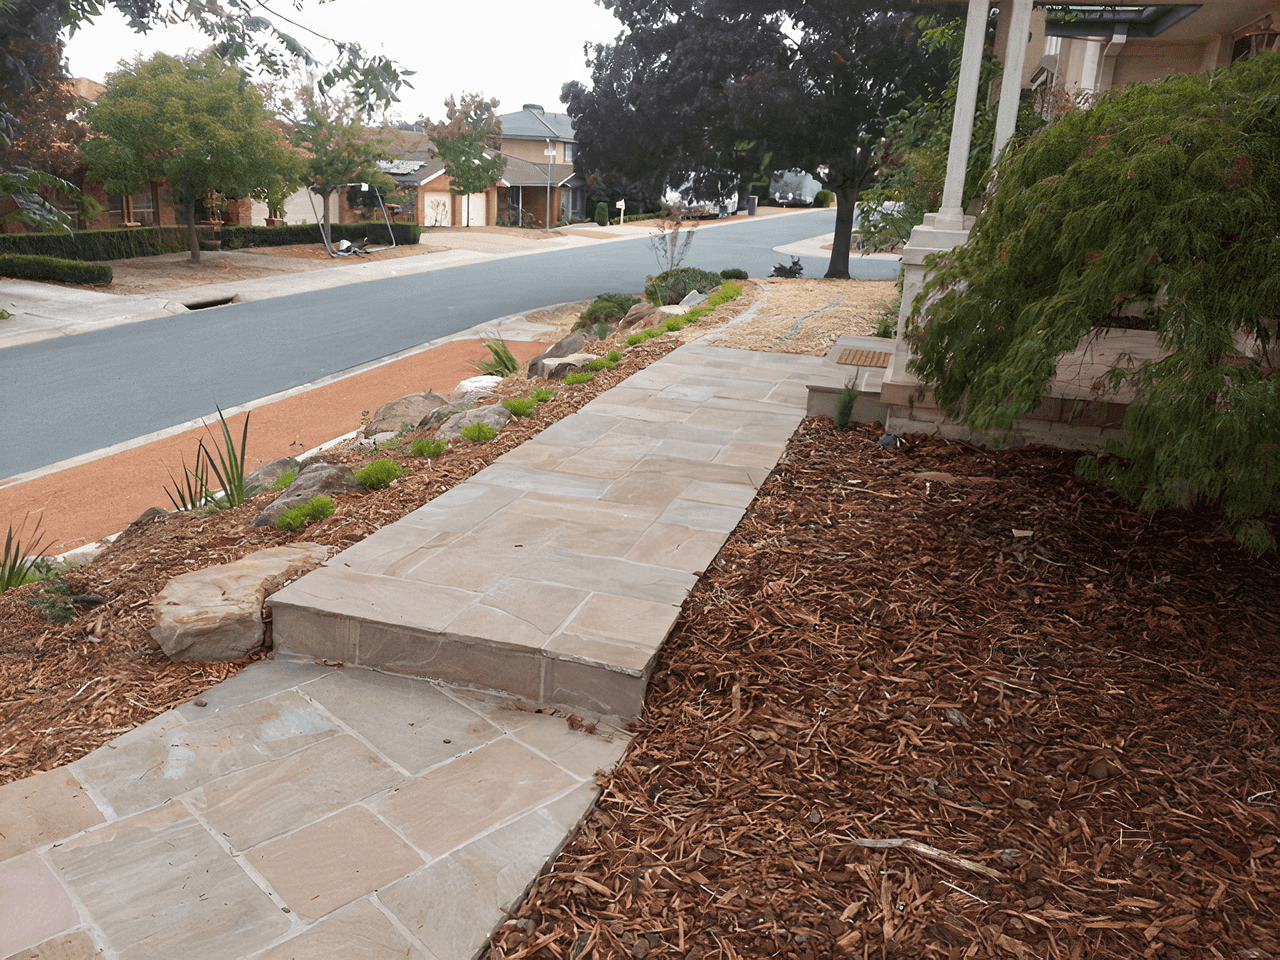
<point>328,231</point>
<point>846,198</point>
<point>193,238</point>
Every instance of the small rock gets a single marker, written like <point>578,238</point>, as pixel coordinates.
<point>1100,769</point>
<point>1034,902</point>
<point>437,417</point>
<point>215,614</point>
<point>565,346</point>
<point>693,298</point>
<point>475,387</point>
<point>640,948</point>
<point>557,367</point>
<point>315,479</point>
<point>495,415</point>
<point>815,816</point>
<point>202,703</point>
<point>266,475</point>
<point>1009,856</point>
<point>957,718</point>
<point>890,441</point>
<point>412,408</point>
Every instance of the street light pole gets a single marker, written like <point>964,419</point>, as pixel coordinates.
<point>550,154</point>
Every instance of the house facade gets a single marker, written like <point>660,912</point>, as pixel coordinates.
<point>542,187</point>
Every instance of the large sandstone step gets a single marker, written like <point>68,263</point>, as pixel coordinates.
<point>556,573</point>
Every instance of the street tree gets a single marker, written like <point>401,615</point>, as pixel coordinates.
<point>195,123</point>
<point>467,143</point>
<point>808,82</point>
<point>339,151</point>
<point>1155,207</point>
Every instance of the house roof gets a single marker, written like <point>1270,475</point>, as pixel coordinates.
<point>534,123</point>
<point>522,173</point>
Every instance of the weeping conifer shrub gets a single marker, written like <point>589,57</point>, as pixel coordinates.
<point>1165,198</point>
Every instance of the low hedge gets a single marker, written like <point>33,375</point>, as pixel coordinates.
<point>235,238</point>
<point>22,266</point>
<point>98,244</point>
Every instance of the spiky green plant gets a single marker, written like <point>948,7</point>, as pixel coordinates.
<point>17,563</point>
<point>503,364</point>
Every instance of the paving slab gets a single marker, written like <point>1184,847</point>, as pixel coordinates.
<point>625,502</point>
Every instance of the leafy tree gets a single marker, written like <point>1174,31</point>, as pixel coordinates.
<point>467,142</point>
<point>1159,201</point>
<point>808,82</point>
<point>195,123</point>
<point>338,152</point>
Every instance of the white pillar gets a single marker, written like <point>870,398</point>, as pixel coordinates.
<point>975,29</point>
<point>1015,54</point>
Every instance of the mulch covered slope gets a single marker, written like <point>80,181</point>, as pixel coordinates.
<point>943,703</point>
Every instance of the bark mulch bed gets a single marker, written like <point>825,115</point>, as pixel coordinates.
<point>941,702</point>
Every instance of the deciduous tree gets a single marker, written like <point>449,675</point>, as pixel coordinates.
<point>195,123</point>
<point>339,151</point>
<point>467,142</point>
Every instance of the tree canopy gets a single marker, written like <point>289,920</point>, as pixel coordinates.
<point>1159,202</point>
<point>467,142</point>
<point>704,90</point>
<point>338,151</point>
<point>195,123</point>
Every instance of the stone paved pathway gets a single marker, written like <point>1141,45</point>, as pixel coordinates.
<point>312,811</point>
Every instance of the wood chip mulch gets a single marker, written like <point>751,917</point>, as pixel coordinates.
<point>940,702</point>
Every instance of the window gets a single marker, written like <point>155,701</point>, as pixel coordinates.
<point>133,211</point>
<point>568,153</point>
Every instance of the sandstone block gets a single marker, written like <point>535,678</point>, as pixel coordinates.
<point>495,415</point>
<point>409,409</point>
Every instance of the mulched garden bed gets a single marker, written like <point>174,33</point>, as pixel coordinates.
<point>940,702</point>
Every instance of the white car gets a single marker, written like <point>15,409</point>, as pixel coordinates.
<point>793,188</point>
<point>722,207</point>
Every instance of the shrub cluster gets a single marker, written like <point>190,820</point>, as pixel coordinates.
<point>422,447</point>
<point>733,274</point>
<point>606,308</point>
<point>234,238</point>
<point>674,285</point>
<point>33,267</point>
<point>602,214</point>
<point>824,198</point>
<point>295,518</point>
<point>542,394</point>
<point>578,376</point>
<point>379,474</point>
<point>520,406</point>
<point>478,432</point>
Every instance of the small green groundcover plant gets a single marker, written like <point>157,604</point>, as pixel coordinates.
<point>673,286</point>
<point>520,406</point>
<point>578,376</point>
<point>542,394</point>
<point>602,363</point>
<point>607,307</point>
<point>283,481</point>
<point>54,602</point>
<point>643,335</point>
<point>379,474</point>
<point>478,432</point>
<point>422,447</point>
<point>295,518</point>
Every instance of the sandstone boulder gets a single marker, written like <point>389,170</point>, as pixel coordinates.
<point>313,480</point>
<point>269,473</point>
<point>557,367</point>
<point>643,316</point>
<point>566,346</point>
<point>409,409</point>
<point>495,415</point>
<point>216,614</point>
<point>441,414</point>
<point>475,388</point>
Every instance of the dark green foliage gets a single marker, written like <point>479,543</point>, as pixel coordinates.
<point>422,447</point>
<point>236,238</point>
<point>1162,199</point>
<point>602,363</point>
<point>824,198</point>
<point>733,274</point>
<point>520,406</point>
<point>613,356</point>
<point>844,404</point>
<point>602,214</point>
<point>608,307</point>
<point>674,285</point>
<point>378,474</point>
<point>295,518</point>
<point>503,363</point>
<point>98,244</point>
<point>194,489</point>
<point>790,271</point>
<point>52,269</point>
<point>54,601</point>
<point>542,394</point>
<point>577,377</point>
<point>478,432</point>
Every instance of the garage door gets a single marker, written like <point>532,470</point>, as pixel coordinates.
<point>435,212</point>
<point>473,209</point>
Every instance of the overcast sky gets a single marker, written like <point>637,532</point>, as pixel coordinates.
<point>516,50</point>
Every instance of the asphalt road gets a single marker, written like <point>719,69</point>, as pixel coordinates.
<point>69,396</point>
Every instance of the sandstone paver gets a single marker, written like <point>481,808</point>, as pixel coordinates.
<point>77,945</point>
<point>33,904</point>
<point>358,932</point>
<point>43,809</point>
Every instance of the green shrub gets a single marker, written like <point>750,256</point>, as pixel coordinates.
<point>295,518</point>
<point>602,214</point>
<point>503,364</point>
<point>283,481</point>
<point>824,198</point>
<point>520,406</point>
<point>613,356</point>
<point>422,447</point>
<point>726,293</point>
<point>478,432</point>
<point>235,238</point>
<point>379,474</point>
<point>578,376</point>
<point>22,266</point>
<point>542,395</point>
<point>644,335</point>
<point>98,244</point>
<point>672,324</point>
<point>602,363</point>
<point>733,274</point>
<point>674,285</point>
<point>607,308</point>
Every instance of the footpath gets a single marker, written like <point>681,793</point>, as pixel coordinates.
<point>385,787</point>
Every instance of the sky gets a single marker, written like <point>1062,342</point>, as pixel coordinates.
<point>515,50</point>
